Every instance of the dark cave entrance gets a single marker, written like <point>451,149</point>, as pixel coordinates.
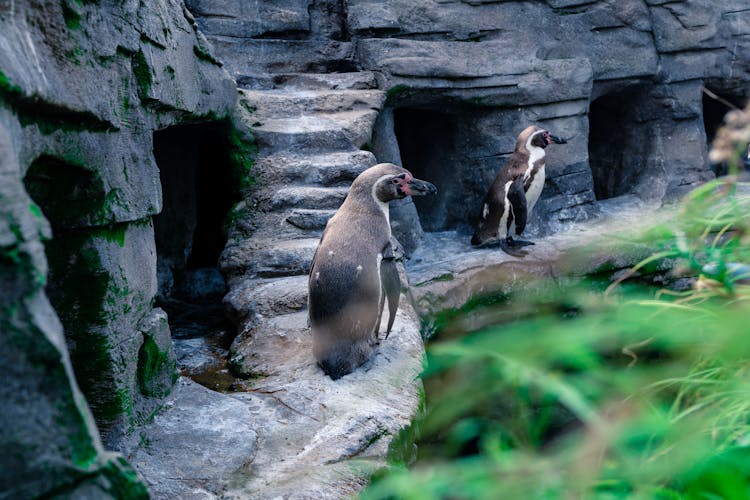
<point>718,99</point>
<point>198,191</point>
<point>716,104</point>
<point>427,144</point>
<point>619,142</point>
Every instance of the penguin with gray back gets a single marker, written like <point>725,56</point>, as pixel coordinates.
<point>508,204</point>
<point>354,271</point>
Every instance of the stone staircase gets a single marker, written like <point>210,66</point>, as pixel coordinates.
<point>285,430</point>
<point>309,130</point>
<point>315,439</point>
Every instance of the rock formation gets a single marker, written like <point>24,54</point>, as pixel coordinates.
<point>621,79</point>
<point>112,114</point>
<point>83,87</point>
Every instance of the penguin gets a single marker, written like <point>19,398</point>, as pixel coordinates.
<point>354,270</point>
<point>508,204</point>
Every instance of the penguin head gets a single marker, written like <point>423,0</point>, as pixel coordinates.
<point>537,136</point>
<point>391,182</point>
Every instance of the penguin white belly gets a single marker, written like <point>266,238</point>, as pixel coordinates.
<point>502,228</point>
<point>535,189</point>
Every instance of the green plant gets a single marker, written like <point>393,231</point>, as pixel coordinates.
<point>592,391</point>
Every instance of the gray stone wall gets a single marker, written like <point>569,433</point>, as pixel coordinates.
<point>83,86</point>
<point>494,66</point>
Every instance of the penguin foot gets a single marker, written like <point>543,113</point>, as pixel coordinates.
<point>516,252</point>
<point>517,243</point>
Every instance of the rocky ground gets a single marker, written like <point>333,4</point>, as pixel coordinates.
<point>294,433</point>
<point>285,429</point>
<point>326,87</point>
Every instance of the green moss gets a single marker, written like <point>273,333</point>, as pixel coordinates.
<point>115,199</point>
<point>203,55</point>
<point>8,88</point>
<point>242,153</point>
<point>153,363</point>
<point>71,15</point>
<point>84,453</point>
<point>81,285</point>
<point>249,108</point>
<point>123,480</point>
<point>113,233</point>
<point>395,90</point>
<point>75,55</point>
<point>15,229</point>
<point>35,210</point>
<point>236,213</point>
<point>50,118</point>
<point>142,73</point>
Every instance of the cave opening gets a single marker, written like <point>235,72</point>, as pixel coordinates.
<point>198,192</point>
<point>427,144</point>
<point>716,104</point>
<point>719,99</point>
<point>619,141</point>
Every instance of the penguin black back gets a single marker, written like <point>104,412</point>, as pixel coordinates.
<point>513,193</point>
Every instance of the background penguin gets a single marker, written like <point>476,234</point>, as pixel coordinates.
<point>516,188</point>
<point>354,270</point>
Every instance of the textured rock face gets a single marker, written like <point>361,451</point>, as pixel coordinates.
<point>442,87</point>
<point>48,437</point>
<point>83,86</point>
<point>620,79</point>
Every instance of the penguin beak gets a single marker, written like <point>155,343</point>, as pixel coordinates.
<point>556,140</point>
<point>420,188</point>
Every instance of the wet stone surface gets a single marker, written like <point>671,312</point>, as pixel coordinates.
<point>201,335</point>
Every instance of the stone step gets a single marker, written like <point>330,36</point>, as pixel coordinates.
<point>294,103</point>
<point>253,298</point>
<point>328,169</point>
<point>308,197</point>
<point>272,346</point>
<point>246,58</point>
<point>267,257</point>
<point>311,134</point>
<point>309,219</point>
<point>333,81</point>
<point>273,258</point>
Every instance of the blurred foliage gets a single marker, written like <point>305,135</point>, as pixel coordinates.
<point>594,388</point>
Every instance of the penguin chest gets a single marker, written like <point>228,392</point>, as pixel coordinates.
<point>502,228</point>
<point>535,188</point>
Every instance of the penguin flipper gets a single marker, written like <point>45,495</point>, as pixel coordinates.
<point>315,255</point>
<point>517,198</point>
<point>492,211</point>
<point>391,281</point>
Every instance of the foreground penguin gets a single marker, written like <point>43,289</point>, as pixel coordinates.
<point>516,188</point>
<point>354,270</point>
